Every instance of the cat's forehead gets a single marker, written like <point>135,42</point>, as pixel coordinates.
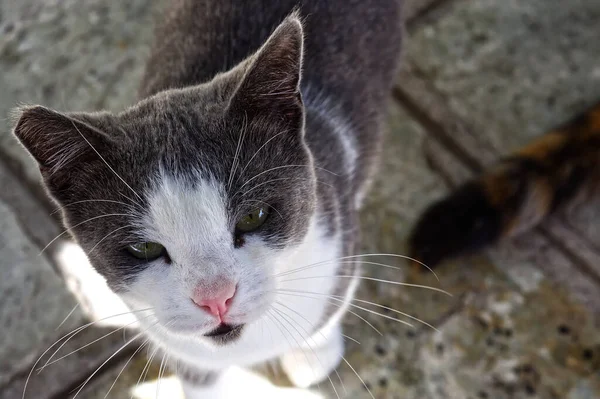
<point>181,215</point>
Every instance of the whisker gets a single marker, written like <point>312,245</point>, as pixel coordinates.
<point>72,333</point>
<point>351,339</point>
<point>160,371</point>
<point>133,201</point>
<point>108,235</point>
<point>320,332</point>
<point>102,158</point>
<point>335,304</point>
<point>106,361</point>
<point>65,319</point>
<point>299,347</point>
<point>357,375</point>
<point>358,256</point>
<point>125,366</point>
<point>146,368</point>
<point>260,148</point>
<point>306,338</point>
<point>311,324</point>
<point>282,167</point>
<point>362,308</point>
<point>283,178</point>
<point>48,363</point>
<point>374,279</point>
<point>80,329</point>
<point>341,299</point>
<point>89,200</point>
<point>144,372</point>
<point>395,311</point>
<point>237,152</point>
<point>79,224</point>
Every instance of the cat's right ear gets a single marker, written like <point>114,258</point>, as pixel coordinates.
<point>58,142</point>
<point>271,83</point>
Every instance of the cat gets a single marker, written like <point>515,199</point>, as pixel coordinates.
<point>558,169</point>
<point>221,205</point>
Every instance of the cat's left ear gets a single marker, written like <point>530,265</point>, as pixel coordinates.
<point>60,143</point>
<point>271,83</point>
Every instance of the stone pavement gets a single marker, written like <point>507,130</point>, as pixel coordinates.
<point>480,78</point>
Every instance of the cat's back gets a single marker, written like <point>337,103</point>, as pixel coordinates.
<point>351,46</point>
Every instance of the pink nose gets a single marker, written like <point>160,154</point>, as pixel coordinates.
<point>216,303</point>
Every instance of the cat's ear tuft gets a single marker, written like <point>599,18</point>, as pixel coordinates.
<point>272,79</point>
<point>55,140</point>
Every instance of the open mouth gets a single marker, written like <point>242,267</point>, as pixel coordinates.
<point>225,331</point>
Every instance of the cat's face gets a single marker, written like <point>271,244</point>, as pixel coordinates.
<point>192,201</point>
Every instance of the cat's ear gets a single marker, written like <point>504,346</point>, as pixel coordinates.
<point>271,82</point>
<point>58,142</point>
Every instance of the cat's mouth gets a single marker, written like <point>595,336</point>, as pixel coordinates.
<point>225,333</point>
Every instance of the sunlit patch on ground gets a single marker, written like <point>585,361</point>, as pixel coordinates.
<point>235,383</point>
<point>99,302</point>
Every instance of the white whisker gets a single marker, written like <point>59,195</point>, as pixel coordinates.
<point>90,200</point>
<point>341,299</point>
<point>144,372</point>
<point>85,326</point>
<point>351,339</point>
<point>160,371</point>
<point>237,152</point>
<point>335,304</point>
<point>359,377</point>
<point>125,366</point>
<point>358,307</point>
<point>260,148</point>
<point>106,361</point>
<point>283,178</point>
<point>299,347</point>
<point>70,334</point>
<point>426,287</point>
<point>65,319</point>
<point>102,158</point>
<point>282,167</point>
<point>78,224</point>
<point>108,235</point>
<point>306,338</point>
<point>48,363</point>
<point>354,257</point>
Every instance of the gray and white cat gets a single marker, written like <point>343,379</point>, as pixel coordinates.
<point>221,205</point>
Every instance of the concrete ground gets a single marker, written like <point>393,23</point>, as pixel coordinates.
<point>480,78</point>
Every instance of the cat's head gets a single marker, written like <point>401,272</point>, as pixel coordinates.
<point>189,202</point>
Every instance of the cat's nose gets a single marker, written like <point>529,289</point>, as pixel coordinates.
<point>216,302</point>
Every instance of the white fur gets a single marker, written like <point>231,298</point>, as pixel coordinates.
<point>237,383</point>
<point>192,225</point>
<point>315,359</point>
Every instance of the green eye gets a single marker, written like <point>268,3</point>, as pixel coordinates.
<point>146,250</point>
<point>252,221</point>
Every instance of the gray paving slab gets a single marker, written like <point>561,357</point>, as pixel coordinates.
<point>70,55</point>
<point>34,301</point>
<point>515,68</point>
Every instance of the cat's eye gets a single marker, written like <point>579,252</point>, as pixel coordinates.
<point>252,220</point>
<point>146,250</point>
